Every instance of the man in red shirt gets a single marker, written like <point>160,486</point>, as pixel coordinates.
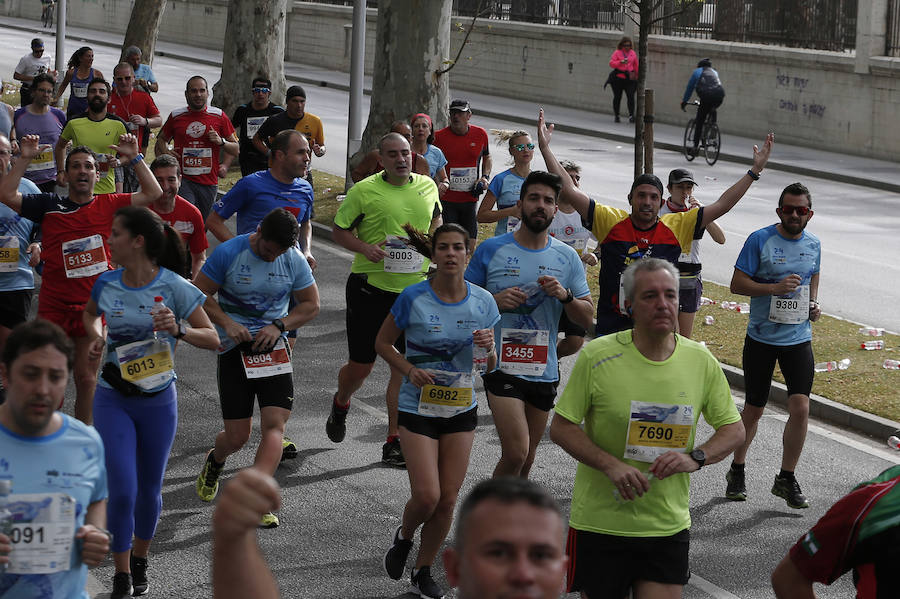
<point>74,233</point>
<point>183,216</point>
<point>200,134</point>
<point>466,148</point>
<point>137,109</point>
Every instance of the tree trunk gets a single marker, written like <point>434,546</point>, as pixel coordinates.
<point>143,27</point>
<point>407,58</point>
<point>254,46</point>
<point>645,20</point>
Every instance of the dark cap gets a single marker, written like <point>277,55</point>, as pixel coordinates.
<point>648,179</point>
<point>704,62</point>
<point>460,106</point>
<point>295,90</point>
<point>681,175</point>
<point>37,43</point>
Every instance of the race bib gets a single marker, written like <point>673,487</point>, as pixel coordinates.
<point>253,125</point>
<point>84,257</point>
<point>451,394</point>
<point>512,223</point>
<point>41,162</point>
<point>148,364</point>
<point>523,351</point>
<point>80,91</point>
<point>9,253</point>
<point>196,161</point>
<point>185,227</point>
<point>42,533</point>
<point>401,257</point>
<point>271,363</point>
<point>463,178</point>
<point>654,429</point>
<point>792,308</point>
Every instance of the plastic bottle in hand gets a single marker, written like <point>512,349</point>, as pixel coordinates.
<point>158,306</point>
<point>479,359</point>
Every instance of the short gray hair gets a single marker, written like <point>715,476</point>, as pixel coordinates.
<point>648,265</point>
<point>133,50</point>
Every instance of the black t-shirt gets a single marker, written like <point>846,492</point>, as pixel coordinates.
<point>275,125</point>
<point>246,122</point>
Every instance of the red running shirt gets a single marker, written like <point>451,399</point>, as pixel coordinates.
<point>463,153</point>
<point>190,129</point>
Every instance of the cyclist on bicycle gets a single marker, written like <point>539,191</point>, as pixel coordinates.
<point>709,88</point>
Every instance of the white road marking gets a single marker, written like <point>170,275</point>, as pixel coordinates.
<point>709,588</point>
<point>885,454</point>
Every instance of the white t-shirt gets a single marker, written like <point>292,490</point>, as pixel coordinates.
<point>31,66</point>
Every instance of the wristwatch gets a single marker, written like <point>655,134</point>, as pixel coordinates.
<point>699,456</point>
<point>569,297</point>
<point>278,323</point>
<point>182,331</point>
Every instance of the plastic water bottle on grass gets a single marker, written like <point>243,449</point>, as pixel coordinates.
<point>832,365</point>
<point>891,364</point>
<point>871,331</point>
<point>870,345</point>
<point>894,441</point>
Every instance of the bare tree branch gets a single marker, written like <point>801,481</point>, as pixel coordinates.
<point>478,12</point>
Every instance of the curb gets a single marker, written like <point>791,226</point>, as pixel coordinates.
<point>820,407</point>
<point>735,158</point>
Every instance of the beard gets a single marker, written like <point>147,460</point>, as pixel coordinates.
<point>536,226</point>
<point>794,228</point>
<point>97,104</point>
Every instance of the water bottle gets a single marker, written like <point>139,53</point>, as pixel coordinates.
<point>705,301</point>
<point>6,518</point>
<point>479,359</point>
<point>832,365</point>
<point>743,308</point>
<point>894,441</point>
<point>870,345</point>
<point>871,331</point>
<point>708,320</point>
<point>891,364</point>
<point>158,305</point>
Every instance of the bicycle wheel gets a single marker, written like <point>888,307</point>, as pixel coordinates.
<point>713,143</point>
<point>689,140</point>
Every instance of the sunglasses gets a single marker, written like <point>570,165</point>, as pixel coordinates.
<point>520,147</point>
<point>260,90</point>
<point>799,210</point>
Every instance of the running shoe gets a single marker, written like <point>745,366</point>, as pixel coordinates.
<point>392,454</point>
<point>121,586</point>
<point>268,520</point>
<point>336,426</point>
<point>789,490</point>
<point>395,558</point>
<point>288,449</point>
<point>208,480</point>
<point>424,585</point>
<point>139,575</point>
<point>736,489</point>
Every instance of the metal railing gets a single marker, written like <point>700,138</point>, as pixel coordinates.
<point>892,37</point>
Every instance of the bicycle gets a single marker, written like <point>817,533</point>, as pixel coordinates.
<point>710,138</point>
<point>47,14</point>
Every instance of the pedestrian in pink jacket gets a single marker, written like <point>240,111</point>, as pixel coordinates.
<point>624,62</point>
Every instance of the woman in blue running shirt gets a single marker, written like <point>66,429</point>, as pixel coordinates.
<point>442,319</point>
<point>135,405</point>
<point>504,188</point>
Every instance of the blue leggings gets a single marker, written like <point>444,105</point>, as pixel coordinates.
<point>137,435</point>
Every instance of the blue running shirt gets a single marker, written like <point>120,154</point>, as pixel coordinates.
<point>15,236</point>
<point>254,292</point>
<point>439,338</point>
<point>767,257</point>
<point>69,461</point>
<point>505,187</point>
<point>531,329</point>
<point>127,311</point>
<point>256,195</point>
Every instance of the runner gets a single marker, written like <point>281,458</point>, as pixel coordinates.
<point>371,162</point>
<point>629,415</point>
<point>533,278</point>
<point>422,139</point>
<point>378,207</point>
<point>45,121</point>
<point>32,64</point>
<point>75,251</point>
<point>177,212</point>
<point>503,192</point>
<point>254,275</point>
<point>280,186</point>
<point>139,112</point>
<point>778,267</point>
<point>53,462</point>
<point>247,120</point>
<point>442,319</point>
<point>469,164</point>
<point>690,286</point>
<point>200,134</point>
<point>79,74</point>
<point>136,400</point>
<point>19,254</point>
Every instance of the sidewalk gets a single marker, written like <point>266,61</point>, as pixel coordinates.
<point>862,171</point>
<point>856,170</point>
